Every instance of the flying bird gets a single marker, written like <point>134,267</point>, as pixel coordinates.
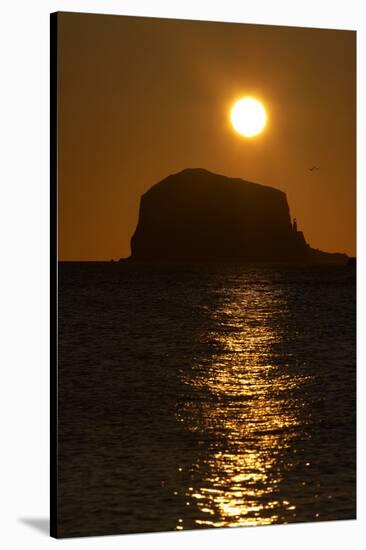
<point>314,168</point>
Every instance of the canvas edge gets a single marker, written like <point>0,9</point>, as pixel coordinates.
<point>53,276</point>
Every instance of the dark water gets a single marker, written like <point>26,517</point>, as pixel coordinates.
<point>205,396</point>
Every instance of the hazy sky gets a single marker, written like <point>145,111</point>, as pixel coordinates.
<point>142,98</point>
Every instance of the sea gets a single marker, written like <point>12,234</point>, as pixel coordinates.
<point>204,396</point>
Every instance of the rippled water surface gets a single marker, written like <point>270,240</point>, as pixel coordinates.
<point>204,396</point>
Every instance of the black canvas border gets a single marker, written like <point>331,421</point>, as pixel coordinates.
<point>53,275</point>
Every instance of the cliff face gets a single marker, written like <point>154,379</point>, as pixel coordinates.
<point>196,215</point>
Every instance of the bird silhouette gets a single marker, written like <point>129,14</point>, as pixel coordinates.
<point>314,168</point>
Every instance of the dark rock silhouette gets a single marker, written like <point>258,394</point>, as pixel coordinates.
<point>196,215</point>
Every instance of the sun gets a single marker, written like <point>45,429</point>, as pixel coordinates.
<point>248,116</point>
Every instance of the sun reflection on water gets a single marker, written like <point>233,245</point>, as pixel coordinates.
<point>248,414</point>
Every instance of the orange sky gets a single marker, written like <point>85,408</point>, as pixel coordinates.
<point>142,98</point>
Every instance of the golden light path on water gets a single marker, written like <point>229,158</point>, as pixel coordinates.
<point>251,412</point>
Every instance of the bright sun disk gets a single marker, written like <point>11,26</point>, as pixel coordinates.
<point>248,116</point>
